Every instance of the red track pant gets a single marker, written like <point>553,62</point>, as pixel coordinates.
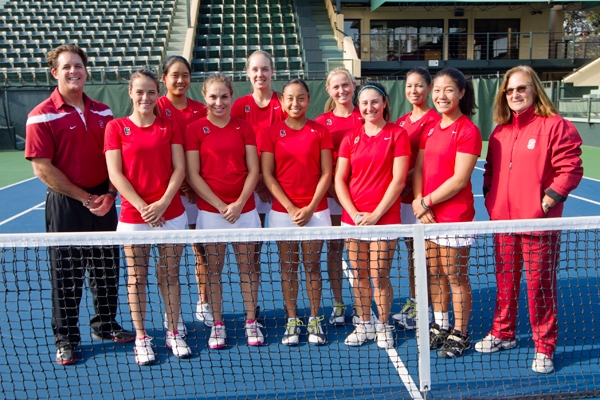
<point>538,254</point>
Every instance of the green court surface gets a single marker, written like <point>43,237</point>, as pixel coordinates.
<point>14,167</point>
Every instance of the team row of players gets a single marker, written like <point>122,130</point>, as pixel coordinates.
<point>261,150</point>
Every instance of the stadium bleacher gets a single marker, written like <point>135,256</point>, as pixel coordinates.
<point>125,35</point>
<point>228,33</point>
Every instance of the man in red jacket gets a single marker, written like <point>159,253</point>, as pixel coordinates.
<point>533,163</point>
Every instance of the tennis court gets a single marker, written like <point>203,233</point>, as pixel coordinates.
<point>28,370</point>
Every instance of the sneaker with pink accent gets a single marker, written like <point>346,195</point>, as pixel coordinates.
<point>218,336</point>
<point>253,333</point>
<point>177,344</point>
<point>144,355</point>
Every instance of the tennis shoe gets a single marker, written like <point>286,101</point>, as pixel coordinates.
<point>291,337</point>
<point>384,335</point>
<point>455,346</point>
<point>253,333</point>
<point>204,313</point>
<point>491,344</point>
<point>144,355</point>
<point>181,329</point>
<point>356,319</point>
<point>542,364</point>
<point>337,316</point>
<point>65,355</point>
<point>218,336</point>
<point>437,336</point>
<point>177,344</point>
<point>315,332</point>
<point>362,333</point>
<point>407,317</point>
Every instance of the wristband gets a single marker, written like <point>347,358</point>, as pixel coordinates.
<point>546,205</point>
<point>89,200</point>
<point>425,206</point>
<point>113,194</point>
<point>430,201</point>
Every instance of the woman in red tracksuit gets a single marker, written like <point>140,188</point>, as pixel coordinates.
<point>533,163</point>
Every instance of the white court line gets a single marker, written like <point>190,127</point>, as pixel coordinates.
<point>591,179</point>
<point>392,353</point>
<point>21,213</point>
<point>584,199</point>
<point>18,183</point>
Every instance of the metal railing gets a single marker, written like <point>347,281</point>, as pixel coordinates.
<point>580,110</point>
<point>401,46</point>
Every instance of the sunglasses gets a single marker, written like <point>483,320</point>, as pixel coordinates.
<point>519,89</point>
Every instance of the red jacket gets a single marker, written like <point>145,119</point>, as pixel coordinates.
<point>527,158</point>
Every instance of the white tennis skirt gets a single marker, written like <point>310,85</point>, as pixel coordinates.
<point>170,225</point>
<point>283,220</point>
<point>261,207</point>
<point>191,210</point>
<point>210,220</point>
<point>334,207</point>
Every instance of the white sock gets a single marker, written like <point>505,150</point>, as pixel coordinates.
<point>413,300</point>
<point>292,319</point>
<point>311,319</point>
<point>442,319</point>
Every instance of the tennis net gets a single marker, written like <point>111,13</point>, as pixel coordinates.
<point>408,369</point>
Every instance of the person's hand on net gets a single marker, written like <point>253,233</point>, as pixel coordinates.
<point>302,216</point>
<point>232,212</point>
<point>100,205</point>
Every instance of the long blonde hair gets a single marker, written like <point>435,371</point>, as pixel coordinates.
<point>542,103</point>
<point>330,103</point>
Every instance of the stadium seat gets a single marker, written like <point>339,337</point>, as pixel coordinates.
<point>28,76</point>
<point>226,64</point>
<point>154,60</point>
<point>19,62</point>
<point>239,64</point>
<point>279,51</point>
<point>240,52</point>
<point>212,52</point>
<point>227,52</point>
<point>295,63</point>
<point>265,40</point>
<point>225,40</point>
<point>128,61</point>
<point>281,64</point>
<point>13,77</point>
<point>213,65</point>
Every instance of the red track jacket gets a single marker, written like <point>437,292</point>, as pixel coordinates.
<point>527,158</point>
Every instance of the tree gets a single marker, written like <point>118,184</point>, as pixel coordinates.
<point>582,22</point>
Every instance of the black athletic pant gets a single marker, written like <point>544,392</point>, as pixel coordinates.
<point>68,265</point>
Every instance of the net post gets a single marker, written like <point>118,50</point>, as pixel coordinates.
<point>421,292</point>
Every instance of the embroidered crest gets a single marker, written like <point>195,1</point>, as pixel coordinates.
<point>247,109</point>
<point>101,123</point>
<point>531,144</point>
<point>206,130</point>
<point>430,132</point>
<point>401,124</point>
<point>282,133</point>
<point>356,139</point>
<point>127,131</point>
<point>329,122</point>
<point>168,112</point>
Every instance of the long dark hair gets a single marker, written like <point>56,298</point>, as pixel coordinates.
<point>467,103</point>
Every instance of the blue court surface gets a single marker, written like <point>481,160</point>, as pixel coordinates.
<point>336,371</point>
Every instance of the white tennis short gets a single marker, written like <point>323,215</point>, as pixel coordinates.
<point>261,207</point>
<point>452,240</point>
<point>334,207</point>
<point>283,220</point>
<point>170,225</point>
<point>407,215</point>
<point>191,210</point>
<point>210,220</point>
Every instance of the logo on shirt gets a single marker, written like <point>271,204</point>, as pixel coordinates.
<point>101,123</point>
<point>282,133</point>
<point>401,124</point>
<point>531,144</point>
<point>430,132</point>
<point>168,112</point>
<point>206,130</point>
<point>329,122</point>
<point>127,131</point>
<point>195,111</point>
<point>356,139</point>
<point>276,108</point>
<point>247,109</point>
<point>386,138</point>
